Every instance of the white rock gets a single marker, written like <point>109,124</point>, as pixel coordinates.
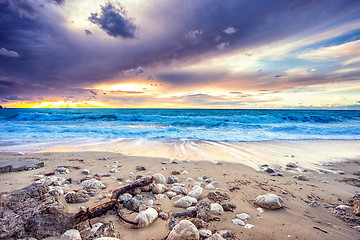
<point>19,153</point>
<point>249,226</point>
<point>215,183</point>
<point>243,216</point>
<point>158,188</point>
<point>113,170</point>
<point>125,197</point>
<point>269,201</point>
<point>39,176</point>
<point>343,207</point>
<point>145,218</point>
<point>215,236</point>
<point>106,238</point>
<point>185,202</point>
<point>238,222</point>
<point>159,178</point>
<point>93,183</point>
<point>184,172</point>
<point>150,202</point>
<point>196,192</point>
<point>171,194</point>
<point>189,180</point>
<point>71,234</point>
<point>57,189</point>
<point>191,209</point>
<point>179,190</point>
<point>184,230</point>
<point>205,233</point>
<point>216,209</point>
<point>200,179</point>
<point>63,170</point>
<point>160,196</point>
<point>260,210</point>
<point>210,187</point>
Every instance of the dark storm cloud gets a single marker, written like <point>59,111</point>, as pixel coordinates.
<point>114,21</point>
<point>133,71</point>
<point>57,59</point>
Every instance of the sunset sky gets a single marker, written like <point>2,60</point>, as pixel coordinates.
<point>180,54</point>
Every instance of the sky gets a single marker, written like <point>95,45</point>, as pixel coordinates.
<point>180,53</point>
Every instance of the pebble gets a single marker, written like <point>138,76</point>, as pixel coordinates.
<point>292,165</point>
<point>160,196</point>
<point>324,181</point>
<point>340,172</point>
<point>189,180</point>
<point>200,179</point>
<point>173,179</point>
<point>226,233</point>
<point>343,207</point>
<point>179,190</point>
<point>303,178</point>
<point>216,209</point>
<point>145,218</point>
<point>249,226</point>
<point>191,209</point>
<point>38,176</point>
<point>85,171</point>
<point>176,172</point>
<point>227,206</point>
<point>171,194</point>
<point>205,233</point>
<point>203,210</point>
<point>238,222</point>
<point>113,170</point>
<point>19,154</point>
<point>63,170</point>
<point>210,187</point>
<point>93,183</point>
<point>184,172</point>
<point>185,202</point>
<point>196,192</point>
<point>140,168</point>
<point>71,234</point>
<point>158,188</point>
<point>73,197</point>
<point>184,230</point>
<point>56,189</point>
<point>159,178</point>
<point>243,216</point>
<point>134,203</point>
<point>269,201</point>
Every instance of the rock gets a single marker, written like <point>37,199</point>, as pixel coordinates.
<point>176,172</point>
<point>216,209</point>
<point>217,196</point>
<point>191,209</point>
<point>215,236</point>
<point>173,179</point>
<point>19,154</point>
<point>203,210</point>
<point>342,207</point>
<point>140,168</point>
<point>199,223</point>
<point>210,187</point>
<point>145,218</point>
<point>71,234</point>
<point>93,183</point>
<point>160,196</point>
<point>73,197</point>
<point>227,206</point>
<point>135,191</point>
<point>158,188</point>
<point>243,216</point>
<point>269,201</point>
<point>303,178</point>
<point>159,178</point>
<point>226,233</point>
<point>269,170</point>
<point>124,198</point>
<point>196,192</point>
<point>178,190</point>
<point>205,233</point>
<point>340,172</point>
<point>185,202</point>
<point>292,165</point>
<point>107,238</point>
<point>189,180</point>
<point>134,203</point>
<point>249,226</point>
<point>184,230</point>
<point>32,212</point>
<point>85,171</point>
<point>164,216</point>
<point>17,166</point>
<point>171,194</point>
<point>238,222</point>
<point>63,170</point>
<point>56,191</point>
<point>260,210</point>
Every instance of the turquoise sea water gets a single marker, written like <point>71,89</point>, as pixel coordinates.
<point>18,126</point>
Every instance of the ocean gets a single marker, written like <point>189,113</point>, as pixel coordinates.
<point>47,126</point>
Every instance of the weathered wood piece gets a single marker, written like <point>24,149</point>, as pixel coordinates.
<point>103,208</point>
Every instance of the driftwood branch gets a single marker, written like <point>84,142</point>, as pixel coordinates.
<point>103,208</point>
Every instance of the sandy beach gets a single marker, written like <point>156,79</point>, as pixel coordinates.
<point>307,204</point>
